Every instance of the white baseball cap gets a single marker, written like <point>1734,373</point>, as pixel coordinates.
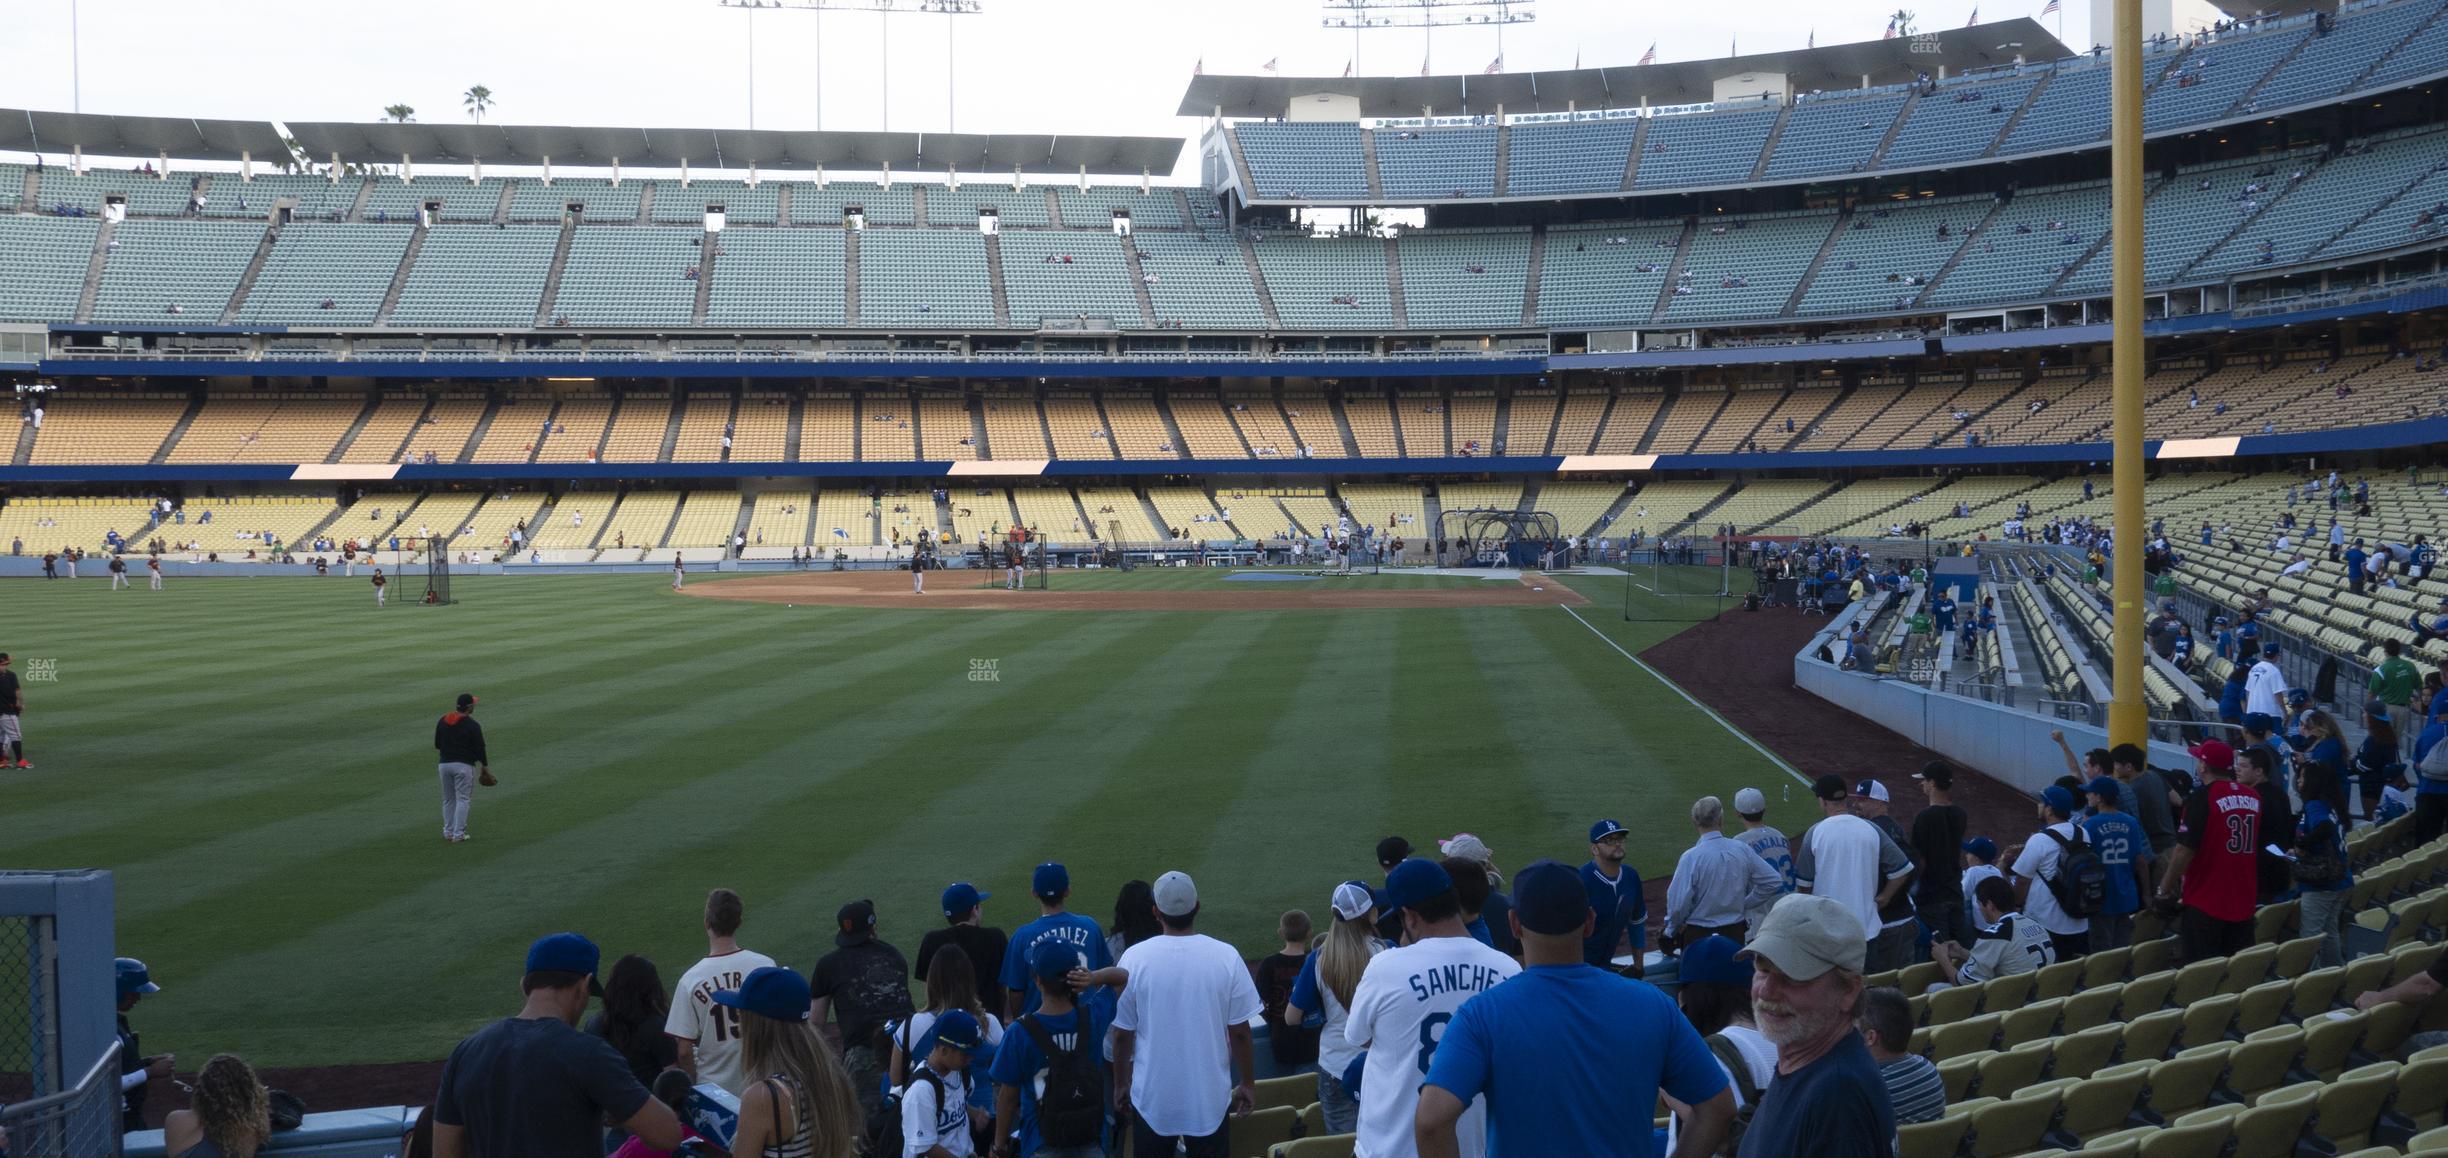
<point>1352,900</point>
<point>1176,894</point>
<point>1750,801</point>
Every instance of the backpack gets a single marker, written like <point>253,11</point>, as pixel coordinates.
<point>2434,765</point>
<point>1071,1108</point>
<point>1732,1059</point>
<point>2081,885</point>
<point>884,1127</point>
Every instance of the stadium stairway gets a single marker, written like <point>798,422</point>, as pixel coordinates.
<point>1776,132</point>
<point>93,270</point>
<point>254,270</point>
<point>671,432</point>
<point>1368,164</point>
<point>1147,506</point>
<point>646,200</point>
<point>484,422</point>
<point>25,198</point>
<point>552,413</point>
<point>1538,261</point>
<point>977,427</point>
<point>792,426</point>
<point>399,276</point>
<point>1674,268</point>
<point>994,282</point>
<point>1504,168</point>
<point>709,247</point>
<point>348,437</point>
<point>2006,131</point>
<point>739,526</point>
<point>195,406</point>
<point>356,209</point>
<point>850,277</point>
<point>1394,284</point>
<point>1973,236</point>
<point>1249,258</point>
<point>1810,273</point>
<point>1657,419</point>
<point>1138,276</point>
<point>1878,155</point>
<point>560,262</point>
<point>1173,430</point>
<point>25,445</point>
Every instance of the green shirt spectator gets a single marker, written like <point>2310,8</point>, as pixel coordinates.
<point>2394,681</point>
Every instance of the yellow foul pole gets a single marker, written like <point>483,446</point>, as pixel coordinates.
<point>2128,715</point>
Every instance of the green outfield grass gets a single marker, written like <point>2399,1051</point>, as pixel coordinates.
<point>253,758</point>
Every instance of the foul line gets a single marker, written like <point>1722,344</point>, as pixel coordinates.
<point>1722,722</point>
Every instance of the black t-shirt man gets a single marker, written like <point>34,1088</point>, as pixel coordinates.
<point>532,1087</point>
<point>1937,842</point>
<point>984,946</point>
<point>1274,974</point>
<point>867,982</point>
<point>10,705</point>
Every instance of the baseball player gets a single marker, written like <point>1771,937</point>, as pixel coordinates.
<point>918,566</point>
<point>1011,560</point>
<point>118,572</point>
<point>461,746</point>
<point>153,566</point>
<point>678,572</point>
<point>12,706</point>
<point>379,584</point>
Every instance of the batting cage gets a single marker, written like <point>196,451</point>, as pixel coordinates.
<point>1017,563</point>
<point>437,571</point>
<point>1488,537</point>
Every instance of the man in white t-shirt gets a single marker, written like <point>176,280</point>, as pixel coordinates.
<point>2037,865</point>
<point>1405,998</point>
<point>708,1034</point>
<point>1181,1032</point>
<point>1847,858</point>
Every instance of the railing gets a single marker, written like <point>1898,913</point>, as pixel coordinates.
<point>2075,710</point>
<point>81,1121</point>
<point>631,355</point>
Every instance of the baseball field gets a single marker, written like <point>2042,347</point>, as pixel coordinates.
<point>253,758</point>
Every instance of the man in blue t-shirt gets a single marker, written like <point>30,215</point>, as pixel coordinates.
<point>2116,838</point>
<point>1827,1099</point>
<point>1021,1066</point>
<point>1615,896</point>
<point>1052,887</point>
<point>2430,792</point>
<point>1570,1057</point>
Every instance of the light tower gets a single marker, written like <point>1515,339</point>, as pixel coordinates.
<point>1426,15</point>
<point>886,9</point>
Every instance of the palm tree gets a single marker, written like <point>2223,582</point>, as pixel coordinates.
<point>1903,22</point>
<point>478,98</point>
<point>401,114</point>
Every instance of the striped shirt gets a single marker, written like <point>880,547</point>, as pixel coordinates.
<point>1913,1086</point>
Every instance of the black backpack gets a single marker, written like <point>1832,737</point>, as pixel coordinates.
<point>1071,1109</point>
<point>2081,886</point>
<point>884,1128</point>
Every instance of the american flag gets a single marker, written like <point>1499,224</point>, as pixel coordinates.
<point>1975,17</point>
<point>2049,9</point>
<point>1494,66</point>
<point>1269,66</point>
<point>1891,31</point>
<point>1813,41</point>
<point>1347,67</point>
<point>1650,57</point>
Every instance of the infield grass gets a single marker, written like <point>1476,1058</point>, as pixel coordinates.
<point>252,757</point>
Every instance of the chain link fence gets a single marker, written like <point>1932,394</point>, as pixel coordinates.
<point>81,1121</point>
<point>29,1051</point>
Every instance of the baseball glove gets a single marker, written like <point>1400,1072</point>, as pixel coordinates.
<point>484,778</point>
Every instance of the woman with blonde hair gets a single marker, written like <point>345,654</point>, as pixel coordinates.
<point>805,1106</point>
<point>231,1115</point>
<point>1328,978</point>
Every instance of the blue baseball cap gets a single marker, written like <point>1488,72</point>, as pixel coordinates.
<point>2105,786</point>
<point>1053,959</point>
<point>1051,880</point>
<point>956,1028</point>
<point>961,898</point>
<point>1710,961</point>
<point>774,991</point>
<point>2298,696</point>
<point>566,953</point>
<point>1548,898</point>
<point>1604,829</point>
<point>2269,649</point>
<point>1982,848</point>
<point>1415,880</point>
<point>2056,797</point>
<point>134,977</point>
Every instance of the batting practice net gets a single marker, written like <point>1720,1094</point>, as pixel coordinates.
<point>1002,557</point>
<point>1489,537</point>
<point>438,571</point>
<point>1682,575</point>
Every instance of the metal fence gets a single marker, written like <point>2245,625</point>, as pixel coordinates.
<point>29,1022</point>
<point>81,1121</point>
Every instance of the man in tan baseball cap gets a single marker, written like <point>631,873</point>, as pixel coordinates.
<point>1828,1099</point>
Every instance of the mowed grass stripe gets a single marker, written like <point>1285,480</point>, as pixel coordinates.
<point>581,870</point>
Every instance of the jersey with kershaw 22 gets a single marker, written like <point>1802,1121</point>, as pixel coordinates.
<point>715,1028</point>
<point>1398,1013</point>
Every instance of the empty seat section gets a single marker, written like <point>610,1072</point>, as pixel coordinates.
<point>888,428</point>
<point>1605,274</point>
<point>1191,512</point>
<point>845,518</point>
<point>1833,133</point>
<point>1050,274</point>
<point>1466,278</point>
<point>2327,64</point>
<point>778,522</point>
<point>1745,268</point>
<point>468,275</point>
<point>1743,414</point>
<point>1577,421</point>
<point>535,201</point>
<point>446,428</point>
<point>326,275</point>
<point>743,204</point>
<point>1432,163</point>
<point>1205,429</point>
<point>1327,283</point>
<point>106,428</point>
<point>1687,416</point>
<point>1119,515</point>
<point>777,277</point>
<point>2185,216</point>
<point>267,428</point>
<point>2400,221</point>
<point>387,429</point>
<point>1703,148</point>
<point>577,517</point>
<point>1471,421</point>
<point>2329,199</point>
<point>2072,110</point>
<point>578,428</point>
<point>2211,78</point>
<point>1388,508</point>
<point>638,426</point>
<point>705,416</point>
<point>2419,56</point>
<point>1570,156</point>
<point>461,200</point>
<point>1304,160</point>
<point>946,429</point>
<point>489,528</point>
<point>928,278</point>
<point>1052,515</point>
<point>1013,428</point>
<point>1198,280</point>
<point>1528,421</point>
<point>763,428</point>
<point>619,276</point>
<point>831,204</point>
<point>313,198</point>
<point>1094,207</point>
<point>1372,424</point>
<point>1420,416</point>
<point>707,519</point>
<point>640,521</point>
<point>1958,122</point>
<point>2027,245</point>
<point>959,208</point>
<point>1077,427</point>
<point>46,259</point>
<point>161,270</point>
<point>1577,506</point>
<point>1628,422</point>
<point>1262,426</point>
<point>1884,248</point>
<point>828,428</point>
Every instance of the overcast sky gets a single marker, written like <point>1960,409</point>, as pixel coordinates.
<point>1023,66</point>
